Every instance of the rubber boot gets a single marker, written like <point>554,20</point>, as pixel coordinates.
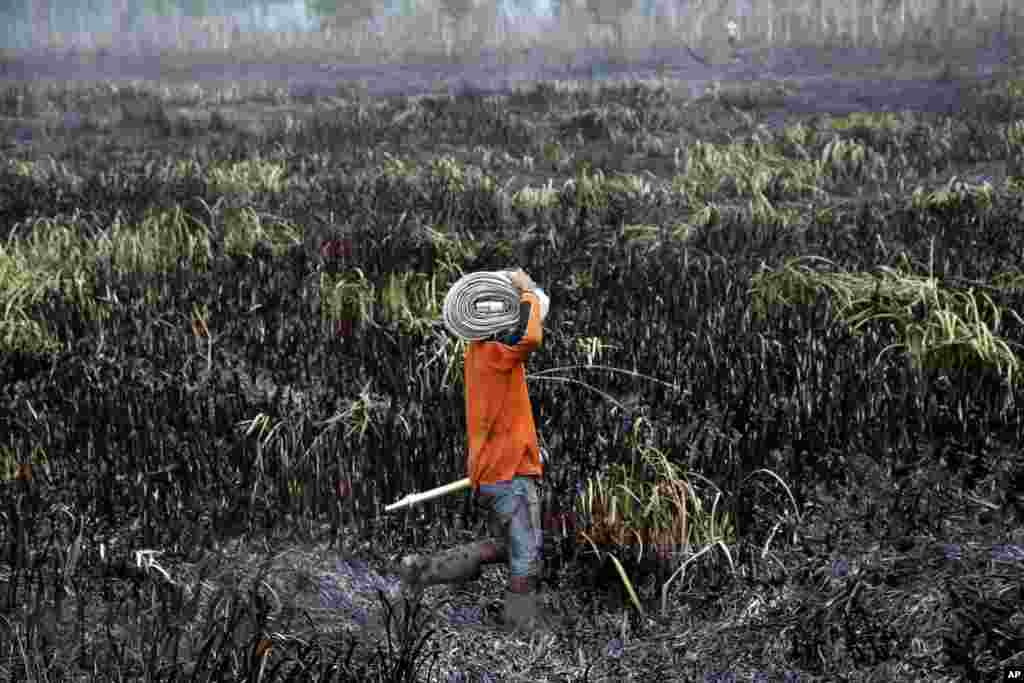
<point>523,613</point>
<point>453,566</point>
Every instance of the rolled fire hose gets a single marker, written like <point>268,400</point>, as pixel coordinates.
<point>483,304</point>
<point>480,305</point>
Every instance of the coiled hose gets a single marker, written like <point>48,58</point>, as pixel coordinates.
<point>480,305</point>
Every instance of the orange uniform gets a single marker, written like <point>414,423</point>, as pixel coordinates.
<point>499,418</point>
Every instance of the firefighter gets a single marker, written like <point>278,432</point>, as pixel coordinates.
<point>505,467</point>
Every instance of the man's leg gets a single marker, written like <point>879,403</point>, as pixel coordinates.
<point>460,564</point>
<point>515,528</point>
<point>521,509</point>
<point>453,566</point>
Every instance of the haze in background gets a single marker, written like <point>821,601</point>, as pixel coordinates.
<point>95,16</point>
<point>490,45</point>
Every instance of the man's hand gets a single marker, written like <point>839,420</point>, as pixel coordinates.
<point>521,281</point>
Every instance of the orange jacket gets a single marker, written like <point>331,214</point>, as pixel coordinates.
<point>499,419</point>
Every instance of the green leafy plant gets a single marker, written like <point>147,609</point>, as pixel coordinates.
<point>244,228</point>
<point>650,504</point>
<point>938,328</point>
<point>346,296</point>
<point>163,240</point>
<point>251,175</point>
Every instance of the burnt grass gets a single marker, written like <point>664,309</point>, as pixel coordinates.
<point>901,561</point>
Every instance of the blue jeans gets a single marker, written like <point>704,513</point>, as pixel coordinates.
<point>513,520</point>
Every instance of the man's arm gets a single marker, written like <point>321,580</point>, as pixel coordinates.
<point>512,336</point>
<point>505,357</point>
